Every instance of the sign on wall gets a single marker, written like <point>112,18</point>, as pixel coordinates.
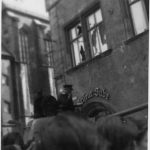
<point>97,92</point>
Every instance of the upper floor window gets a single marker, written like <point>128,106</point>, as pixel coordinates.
<point>88,31</point>
<point>49,52</point>
<point>77,44</point>
<point>96,33</point>
<point>138,15</point>
<point>23,47</point>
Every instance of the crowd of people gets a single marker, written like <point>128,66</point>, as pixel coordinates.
<point>68,131</point>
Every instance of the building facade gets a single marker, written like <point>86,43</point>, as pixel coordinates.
<point>102,45</point>
<point>26,40</point>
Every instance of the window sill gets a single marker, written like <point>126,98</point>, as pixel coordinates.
<point>136,37</point>
<point>104,54</point>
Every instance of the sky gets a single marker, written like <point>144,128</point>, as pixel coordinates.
<point>35,6</point>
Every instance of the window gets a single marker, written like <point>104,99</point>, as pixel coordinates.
<point>7,107</point>
<point>138,15</point>
<point>5,79</point>
<point>96,33</point>
<point>88,31</point>
<point>23,47</point>
<point>50,62</point>
<point>51,81</point>
<point>6,72</point>
<point>77,44</point>
<point>49,52</point>
<point>28,108</point>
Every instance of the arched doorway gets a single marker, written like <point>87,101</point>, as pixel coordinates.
<point>97,107</point>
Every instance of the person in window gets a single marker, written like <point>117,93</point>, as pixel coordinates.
<point>82,52</point>
<point>94,40</point>
<point>65,98</point>
<point>79,29</point>
<point>101,31</point>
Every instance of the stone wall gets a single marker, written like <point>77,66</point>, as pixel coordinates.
<point>123,71</point>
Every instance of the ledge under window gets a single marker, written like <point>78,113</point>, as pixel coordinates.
<point>136,37</point>
<point>104,54</point>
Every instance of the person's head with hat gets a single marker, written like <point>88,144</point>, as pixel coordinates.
<point>68,88</point>
<point>65,97</point>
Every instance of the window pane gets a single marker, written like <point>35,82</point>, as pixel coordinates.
<point>91,21</point>
<point>49,52</point>
<point>103,40</point>
<point>23,48</point>
<point>5,79</point>
<point>73,33</point>
<point>79,29</point>
<point>23,42</point>
<point>94,40</point>
<point>76,52</point>
<point>98,15</point>
<point>139,17</point>
<point>6,67</point>
<point>26,50</point>
<point>98,41</point>
<point>51,81</point>
<point>26,91</point>
<point>26,41</point>
<point>20,45</point>
<point>76,31</point>
<point>6,107</point>
<point>82,50</point>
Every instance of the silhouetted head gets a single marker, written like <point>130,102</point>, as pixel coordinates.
<point>142,139</point>
<point>12,139</point>
<point>119,135</point>
<point>49,105</point>
<point>66,132</point>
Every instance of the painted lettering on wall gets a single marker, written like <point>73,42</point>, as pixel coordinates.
<point>98,92</point>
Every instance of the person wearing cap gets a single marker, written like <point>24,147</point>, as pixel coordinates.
<point>65,98</point>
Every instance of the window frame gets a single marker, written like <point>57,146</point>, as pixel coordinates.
<point>129,4</point>
<point>76,40</point>
<point>98,25</point>
<point>8,104</point>
<point>82,18</point>
<point>24,46</point>
<point>5,78</point>
<point>49,52</point>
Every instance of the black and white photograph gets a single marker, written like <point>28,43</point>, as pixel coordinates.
<point>74,74</point>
